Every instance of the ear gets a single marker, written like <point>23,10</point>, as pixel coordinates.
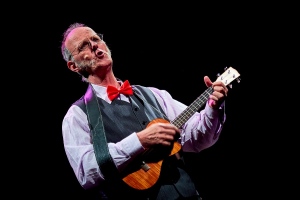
<point>71,65</point>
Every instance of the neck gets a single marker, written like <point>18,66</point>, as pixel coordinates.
<point>106,80</point>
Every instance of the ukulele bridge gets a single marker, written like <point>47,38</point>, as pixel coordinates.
<point>145,167</point>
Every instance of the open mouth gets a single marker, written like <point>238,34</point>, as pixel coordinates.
<point>100,53</point>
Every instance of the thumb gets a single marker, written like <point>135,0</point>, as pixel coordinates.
<point>207,81</point>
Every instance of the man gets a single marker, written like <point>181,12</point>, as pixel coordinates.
<point>120,140</point>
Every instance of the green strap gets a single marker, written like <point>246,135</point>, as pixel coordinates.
<point>94,116</point>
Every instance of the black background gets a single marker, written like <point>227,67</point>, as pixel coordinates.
<point>170,47</point>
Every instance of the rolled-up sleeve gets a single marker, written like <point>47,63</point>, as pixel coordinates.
<point>201,130</point>
<point>80,153</point>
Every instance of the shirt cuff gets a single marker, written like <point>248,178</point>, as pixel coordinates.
<point>132,144</point>
<point>212,112</point>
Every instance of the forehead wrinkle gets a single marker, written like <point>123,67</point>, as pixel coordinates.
<point>75,36</point>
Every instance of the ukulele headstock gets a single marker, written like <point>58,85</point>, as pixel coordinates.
<point>228,76</point>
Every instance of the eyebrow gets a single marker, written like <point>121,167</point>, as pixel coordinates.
<point>80,43</point>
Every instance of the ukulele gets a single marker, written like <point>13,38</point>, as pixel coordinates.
<point>147,169</point>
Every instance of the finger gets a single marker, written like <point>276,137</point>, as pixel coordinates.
<point>220,89</point>
<point>220,86</point>
<point>165,137</point>
<point>218,95</point>
<point>207,81</point>
<point>170,127</point>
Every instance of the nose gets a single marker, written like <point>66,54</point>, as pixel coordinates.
<point>93,45</point>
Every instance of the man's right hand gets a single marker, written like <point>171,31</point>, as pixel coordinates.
<point>158,133</point>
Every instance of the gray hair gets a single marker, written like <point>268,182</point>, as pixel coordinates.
<point>64,51</point>
<point>68,56</point>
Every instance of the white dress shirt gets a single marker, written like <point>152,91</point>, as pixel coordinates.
<point>200,132</point>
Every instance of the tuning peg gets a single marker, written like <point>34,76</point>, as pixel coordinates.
<point>225,68</point>
<point>238,80</point>
<point>230,85</point>
<point>218,74</point>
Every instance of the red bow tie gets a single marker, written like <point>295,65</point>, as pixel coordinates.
<point>113,92</point>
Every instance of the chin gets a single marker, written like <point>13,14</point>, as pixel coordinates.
<point>106,62</point>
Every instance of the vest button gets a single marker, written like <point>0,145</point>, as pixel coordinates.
<point>144,122</point>
<point>136,109</point>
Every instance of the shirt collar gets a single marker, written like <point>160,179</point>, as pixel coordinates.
<point>101,92</point>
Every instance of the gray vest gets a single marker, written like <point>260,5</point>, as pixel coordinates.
<point>119,120</point>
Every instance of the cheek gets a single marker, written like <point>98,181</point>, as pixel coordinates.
<point>105,47</point>
<point>86,56</point>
